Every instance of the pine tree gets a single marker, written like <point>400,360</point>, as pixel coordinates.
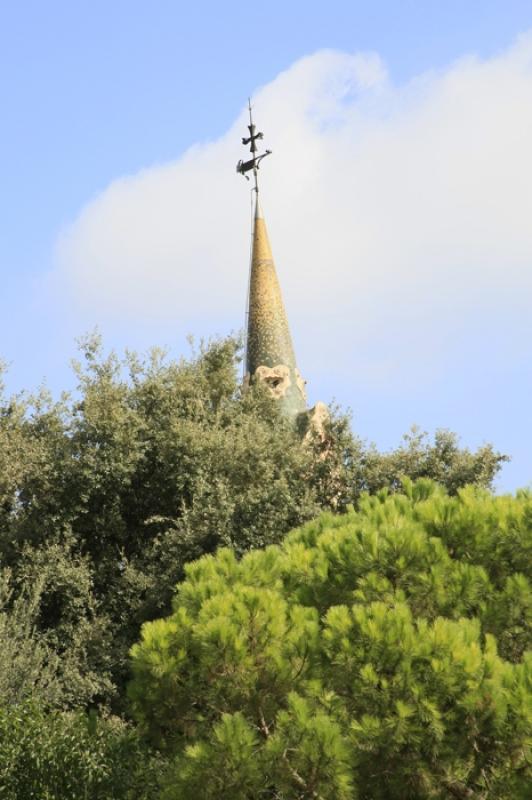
<point>381,654</point>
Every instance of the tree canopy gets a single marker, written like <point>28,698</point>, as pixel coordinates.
<point>380,654</point>
<point>106,494</point>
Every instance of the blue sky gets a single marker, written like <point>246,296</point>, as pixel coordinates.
<point>431,329</point>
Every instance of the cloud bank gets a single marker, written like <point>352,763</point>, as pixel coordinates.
<point>399,215</point>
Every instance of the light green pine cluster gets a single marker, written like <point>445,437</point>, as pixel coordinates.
<point>381,654</point>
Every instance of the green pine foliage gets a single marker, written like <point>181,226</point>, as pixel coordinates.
<point>383,654</point>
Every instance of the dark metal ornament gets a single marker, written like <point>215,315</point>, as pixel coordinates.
<point>253,164</point>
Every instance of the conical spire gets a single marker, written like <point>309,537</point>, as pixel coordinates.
<point>269,352</point>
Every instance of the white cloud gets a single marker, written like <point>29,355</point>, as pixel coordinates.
<point>391,209</point>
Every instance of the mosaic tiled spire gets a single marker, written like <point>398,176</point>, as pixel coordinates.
<point>269,353</point>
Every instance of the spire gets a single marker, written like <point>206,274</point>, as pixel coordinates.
<point>269,353</point>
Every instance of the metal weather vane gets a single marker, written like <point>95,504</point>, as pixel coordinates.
<point>243,167</point>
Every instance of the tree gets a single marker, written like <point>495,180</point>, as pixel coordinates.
<point>358,659</point>
<point>149,466</point>
<point>106,494</point>
<point>345,467</point>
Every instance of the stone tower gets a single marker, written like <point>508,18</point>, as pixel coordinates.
<point>269,351</point>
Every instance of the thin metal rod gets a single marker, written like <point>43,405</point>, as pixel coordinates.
<point>255,169</point>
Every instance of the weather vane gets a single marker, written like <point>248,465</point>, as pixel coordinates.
<point>253,164</point>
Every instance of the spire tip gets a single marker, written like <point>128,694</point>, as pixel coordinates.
<point>252,165</point>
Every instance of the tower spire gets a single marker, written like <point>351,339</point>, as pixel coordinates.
<point>269,352</point>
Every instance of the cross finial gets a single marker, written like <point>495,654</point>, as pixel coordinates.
<point>252,165</point>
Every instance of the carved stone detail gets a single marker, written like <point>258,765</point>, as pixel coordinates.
<point>277,379</point>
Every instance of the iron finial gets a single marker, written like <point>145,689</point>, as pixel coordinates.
<point>252,165</point>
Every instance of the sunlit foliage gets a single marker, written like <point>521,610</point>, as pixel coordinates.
<point>380,654</point>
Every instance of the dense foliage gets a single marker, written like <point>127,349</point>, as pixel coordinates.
<point>106,494</point>
<point>72,756</point>
<point>379,654</point>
